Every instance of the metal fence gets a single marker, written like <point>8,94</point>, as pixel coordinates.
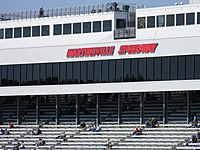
<point>68,11</point>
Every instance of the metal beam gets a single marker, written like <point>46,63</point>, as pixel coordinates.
<point>77,110</point>
<point>119,110</point>
<point>97,109</point>
<point>142,108</point>
<point>57,110</point>
<point>37,110</point>
<point>165,101</point>
<point>18,111</point>
<point>188,107</point>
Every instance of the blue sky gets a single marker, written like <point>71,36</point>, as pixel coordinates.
<point>25,5</point>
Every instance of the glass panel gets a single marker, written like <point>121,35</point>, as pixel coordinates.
<point>134,70</point>
<point>18,32</point>
<point>57,29</point>
<point>197,68</point>
<point>165,68</point>
<point>67,29</point>
<point>107,25</point>
<point>190,67</point>
<point>30,74</point>
<point>141,22</point>
<point>45,30</point>
<point>97,26</point>
<point>97,71</point>
<point>142,70</point>
<point>83,72</point>
<point>181,67</point>
<point>26,31</point>
<point>90,72</point>
<point>76,69</point>
<point>42,73</point>
<point>157,69</point>
<point>1,33</point>
<point>16,74</point>
<point>10,75</point>
<point>55,73</point>
<point>150,21</point>
<point>69,72</point>
<point>198,18</point>
<point>190,18</point>
<point>4,75</point>
<point>173,68</point>
<point>35,74</point>
<point>49,73</point>
<point>86,27</point>
<point>104,72</point>
<point>63,73</point>
<point>127,70</point>
<point>121,23</point>
<point>9,33</point>
<point>112,70</point>
<point>170,20</point>
<point>180,20</point>
<point>150,68</point>
<point>35,31</point>
<point>76,28</point>
<point>161,21</point>
<point>23,75</point>
<point>119,70</point>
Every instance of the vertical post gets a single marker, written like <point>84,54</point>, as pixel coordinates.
<point>188,107</point>
<point>165,101</point>
<point>18,111</point>
<point>119,109</point>
<point>142,108</point>
<point>57,110</point>
<point>77,110</point>
<point>1,118</point>
<point>97,110</point>
<point>37,110</point>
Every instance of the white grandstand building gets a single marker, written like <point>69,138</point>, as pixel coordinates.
<point>113,65</point>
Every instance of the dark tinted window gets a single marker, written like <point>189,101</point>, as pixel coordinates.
<point>97,26</point>
<point>121,23</point>
<point>57,29</point>
<point>97,71</point>
<point>86,27</point>
<point>190,67</point>
<point>76,74</point>
<point>23,75</point>
<point>104,72</point>
<point>107,25</point>
<point>198,18</point>
<point>83,72</point>
<point>49,73</point>
<point>127,70</point>
<point>18,32</point>
<point>29,74</point>
<point>90,72</point>
<point>26,31</point>
<point>157,69</point>
<point>45,30</point>
<point>76,28</point>
<point>112,71</point>
<point>141,22</point>
<point>69,72</point>
<point>42,73</point>
<point>35,31</point>
<point>173,68</point>
<point>63,73</point>
<point>4,75</point>
<point>197,67</point>
<point>9,33</point>
<point>142,69</point>
<point>55,73</point>
<point>181,67</point>
<point>10,75</point>
<point>35,74</point>
<point>170,20</point>
<point>119,70</point>
<point>16,74</point>
<point>180,20</point>
<point>161,21</point>
<point>150,68</point>
<point>190,18</point>
<point>151,22</point>
<point>67,29</point>
<point>134,69</point>
<point>1,33</point>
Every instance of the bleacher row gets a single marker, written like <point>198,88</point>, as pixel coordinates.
<point>172,136</point>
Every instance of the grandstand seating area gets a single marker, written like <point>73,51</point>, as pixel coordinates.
<point>172,136</point>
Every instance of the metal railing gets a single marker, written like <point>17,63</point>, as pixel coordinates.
<point>68,11</point>
<point>124,33</point>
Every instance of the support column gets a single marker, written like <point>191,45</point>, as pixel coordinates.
<point>57,110</point>
<point>1,118</point>
<point>188,107</point>
<point>77,110</point>
<point>18,111</point>
<point>119,110</point>
<point>142,108</point>
<point>165,101</point>
<point>97,110</point>
<point>37,109</point>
